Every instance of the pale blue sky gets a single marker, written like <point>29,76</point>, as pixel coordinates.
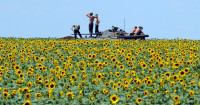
<point>54,18</point>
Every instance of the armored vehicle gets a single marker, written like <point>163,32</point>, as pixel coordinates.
<point>114,33</point>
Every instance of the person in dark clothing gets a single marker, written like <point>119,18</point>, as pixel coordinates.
<point>90,15</point>
<point>76,30</point>
<point>97,25</point>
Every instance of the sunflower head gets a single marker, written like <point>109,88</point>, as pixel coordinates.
<point>27,103</point>
<point>139,100</point>
<point>176,98</point>
<point>114,99</point>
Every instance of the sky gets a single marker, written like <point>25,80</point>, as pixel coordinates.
<point>161,19</point>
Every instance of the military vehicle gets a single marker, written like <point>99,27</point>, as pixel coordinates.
<point>114,33</point>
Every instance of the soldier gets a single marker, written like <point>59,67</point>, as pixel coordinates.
<point>76,30</point>
<point>90,15</point>
<point>97,25</point>
<point>139,31</point>
<point>133,30</point>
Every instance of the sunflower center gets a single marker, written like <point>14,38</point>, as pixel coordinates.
<point>114,98</point>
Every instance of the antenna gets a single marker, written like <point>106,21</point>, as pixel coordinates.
<point>124,24</point>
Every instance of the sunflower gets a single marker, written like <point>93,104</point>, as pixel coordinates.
<point>176,98</point>
<point>17,67</point>
<point>187,70</point>
<point>1,73</point>
<point>67,86</point>
<point>105,62</point>
<point>25,89</point>
<point>5,90</point>
<point>104,91</point>
<point>151,60</point>
<point>40,79</point>
<point>144,65</point>
<point>96,61</point>
<point>150,70</point>
<point>2,68</point>
<point>28,96</point>
<point>139,100</point>
<point>138,82</point>
<point>128,96</point>
<point>21,75</point>
<point>191,93</point>
<point>55,62</point>
<point>188,63</point>
<point>146,92</point>
<point>175,77</point>
<point>168,74</point>
<point>94,56</point>
<point>37,58</point>
<point>99,76</point>
<point>73,76</point>
<point>170,59</point>
<point>114,99</point>
<point>121,67</point>
<point>81,93</point>
<point>117,74</point>
<point>167,92</point>
<point>172,83</point>
<point>5,94</point>
<point>127,72</point>
<point>149,82</point>
<point>27,103</point>
<point>42,59</point>
<point>192,83</point>
<point>196,74</point>
<point>133,73</point>
<point>106,84</point>
<point>92,98</point>
<point>38,95</point>
<point>126,87</point>
<point>113,60</point>
<point>127,59</point>
<point>52,86</point>
<point>70,95</point>
<point>150,96</point>
<point>162,65</point>
<point>152,66</point>
<point>46,81</point>
<point>181,80</point>
<point>61,93</point>
<point>115,87</point>
<point>182,73</point>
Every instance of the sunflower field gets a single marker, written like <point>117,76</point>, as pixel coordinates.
<point>74,72</point>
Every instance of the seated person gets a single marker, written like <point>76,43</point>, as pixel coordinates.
<point>139,31</point>
<point>133,30</point>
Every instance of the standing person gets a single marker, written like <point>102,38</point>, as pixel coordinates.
<point>133,30</point>
<point>97,25</point>
<point>90,15</point>
<point>76,30</point>
<point>139,31</point>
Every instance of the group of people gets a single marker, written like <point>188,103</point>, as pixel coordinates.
<point>91,24</point>
<point>136,31</point>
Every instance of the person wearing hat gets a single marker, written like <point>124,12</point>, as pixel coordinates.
<point>139,31</point>
<point>133,30</point>
<point>90,15</point>
<point>97,25</point>
<point>76,30</point>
